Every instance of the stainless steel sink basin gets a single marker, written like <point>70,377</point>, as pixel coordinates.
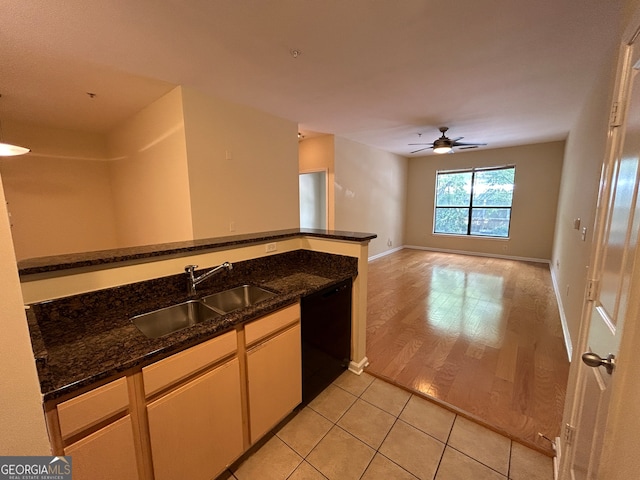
<point>236,298</point>
<point>171,319</point>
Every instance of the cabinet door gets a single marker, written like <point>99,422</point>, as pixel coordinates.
<point>106,454</point>
<point>274,375</point>
<point>196,430</point>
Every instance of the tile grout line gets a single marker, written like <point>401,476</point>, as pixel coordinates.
<point>478,461</point>
<point>475,459</point>
<point>510,455</point>
<point>397,418</point>
<point>446,444</point>
<point>376,450</point>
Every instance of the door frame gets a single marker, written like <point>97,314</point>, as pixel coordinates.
<point>622,382</point>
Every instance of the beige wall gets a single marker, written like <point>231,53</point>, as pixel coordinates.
<point>538,170</point>
<point>66,197</point>
<point>370,193</point>
<point>584,153</point>
<point>315,154</point>
<point>243,168</point>
<point>149,175</point>
<point>21,415</point>
<point>59,195</point>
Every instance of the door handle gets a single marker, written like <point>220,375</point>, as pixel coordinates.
<point>595,360</point>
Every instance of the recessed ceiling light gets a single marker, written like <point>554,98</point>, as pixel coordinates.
<point>295,53</point>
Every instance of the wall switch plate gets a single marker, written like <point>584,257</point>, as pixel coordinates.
<point>584,233</point>
<point>232,226</point>
<point>271,247</point>
<point>576,224</point>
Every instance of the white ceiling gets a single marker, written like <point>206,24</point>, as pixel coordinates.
<point>504,72</point>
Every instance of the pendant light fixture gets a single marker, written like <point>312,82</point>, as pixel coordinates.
<point>7,149</point>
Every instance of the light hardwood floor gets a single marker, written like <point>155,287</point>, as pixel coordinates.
<point>482,335</point>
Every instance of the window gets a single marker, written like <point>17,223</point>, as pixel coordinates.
<point>474,202</point>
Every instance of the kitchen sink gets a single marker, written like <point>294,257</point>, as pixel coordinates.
<point>236,298</point>
<point>171,319</point>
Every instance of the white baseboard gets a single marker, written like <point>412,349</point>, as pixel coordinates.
<point>358,367</point>
<point>563,316</point>
<point>557,458</point>
<point>386,252</point>
<point>479,254</point>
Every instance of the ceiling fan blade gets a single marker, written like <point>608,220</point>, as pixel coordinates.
<point>466,148</point>
<point>420,144</point>
<point>462,144</point>
<point>421,149</point>
<point>454,140</point>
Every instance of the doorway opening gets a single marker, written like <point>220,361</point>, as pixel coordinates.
<point>313,199</point>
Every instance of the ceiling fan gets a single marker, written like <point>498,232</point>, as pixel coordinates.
<point>445,145</point>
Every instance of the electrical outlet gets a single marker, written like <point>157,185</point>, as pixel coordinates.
<point>232,226</point>
<point>271,247</point>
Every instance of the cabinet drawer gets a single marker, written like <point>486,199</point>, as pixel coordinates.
<point>261,328</point>
<point>93,407</point>
<point>179,366</point>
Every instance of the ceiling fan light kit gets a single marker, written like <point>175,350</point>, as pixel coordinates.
<point>442,149</point>
<point>445,145</point>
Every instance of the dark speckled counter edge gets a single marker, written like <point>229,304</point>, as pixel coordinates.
<point>57,263</point>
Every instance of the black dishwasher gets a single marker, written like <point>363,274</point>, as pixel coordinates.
<point>326,337</point>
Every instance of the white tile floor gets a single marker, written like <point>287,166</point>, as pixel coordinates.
<point>363,428</point>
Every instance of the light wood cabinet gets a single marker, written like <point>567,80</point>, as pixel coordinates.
<point>196,430</point>
<point>105,454</point>
<point>189,415</point>
<point>97,431</point>
<point>274,369</point>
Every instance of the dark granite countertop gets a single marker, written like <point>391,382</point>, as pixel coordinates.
<point>56,263</point>
<point>83,339</point>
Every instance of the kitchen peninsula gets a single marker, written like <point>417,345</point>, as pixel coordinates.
<point>99,373</point>
<point>150,277</point>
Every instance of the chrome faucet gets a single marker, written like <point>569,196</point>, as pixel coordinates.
<point>193,280</point>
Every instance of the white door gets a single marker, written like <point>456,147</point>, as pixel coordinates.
<point>609,296</point>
